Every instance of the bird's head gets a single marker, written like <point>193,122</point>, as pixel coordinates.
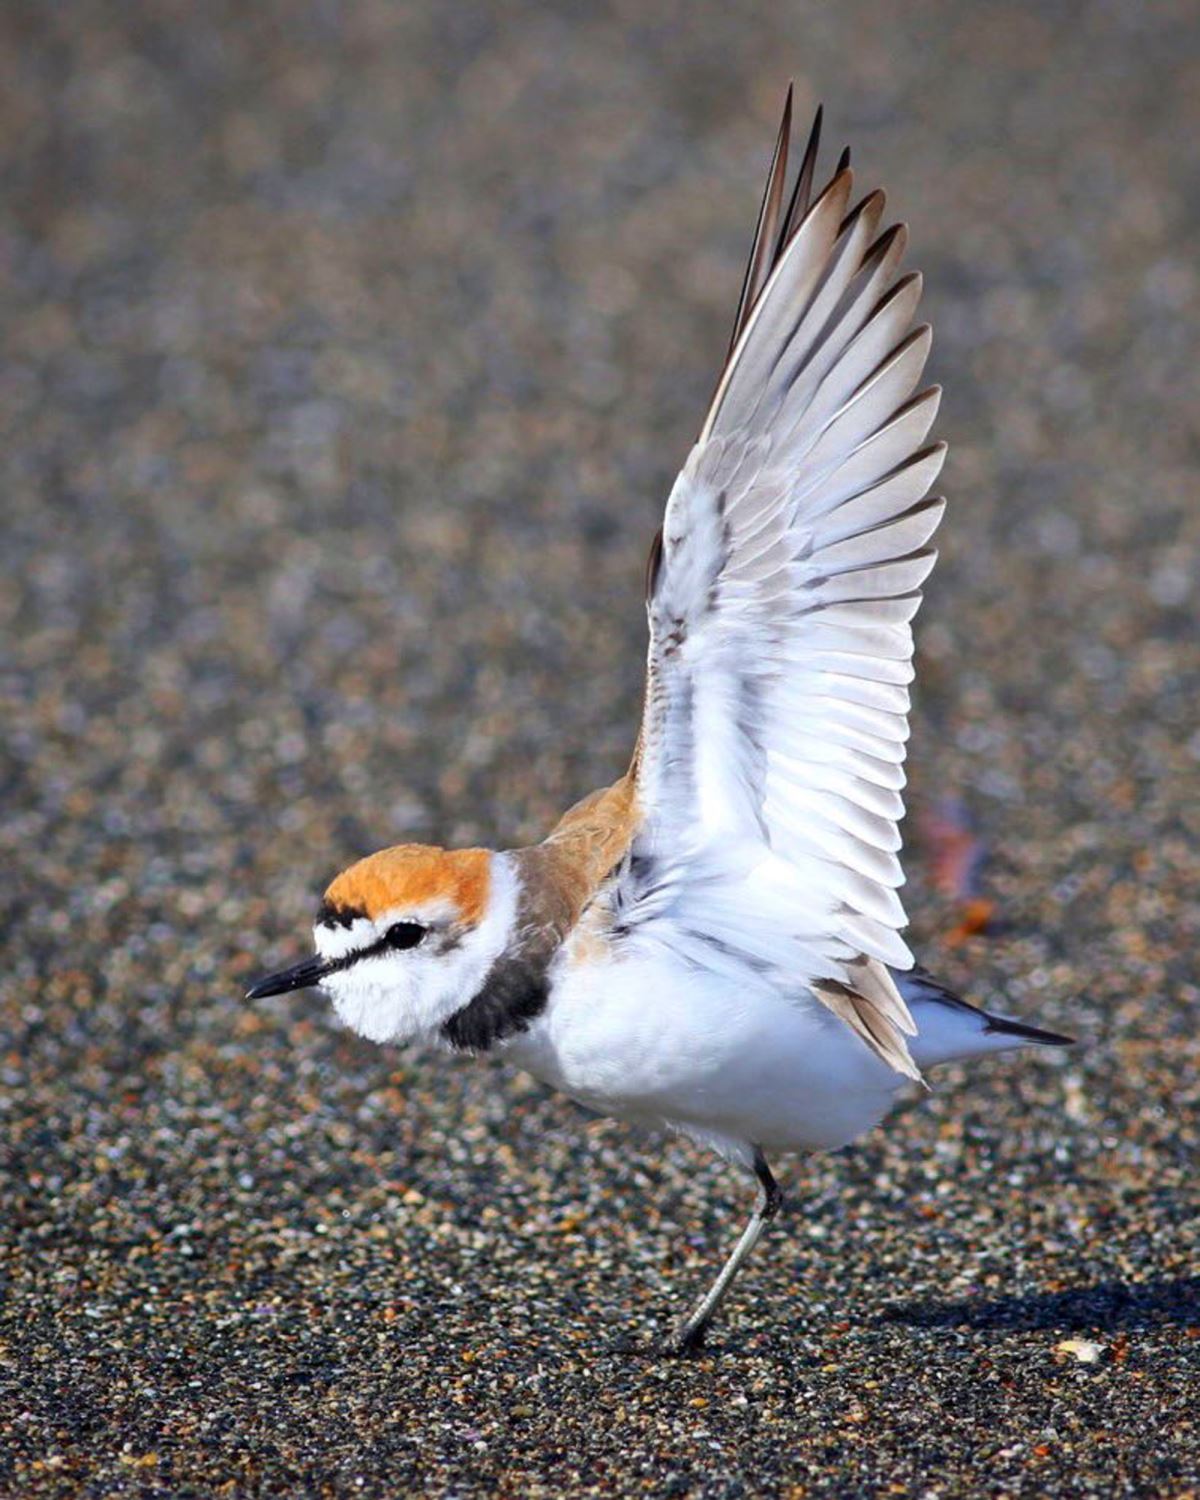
<point>406,937</point>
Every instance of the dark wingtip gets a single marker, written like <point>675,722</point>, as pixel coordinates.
<point>802,191</point>
<point>763,246</point>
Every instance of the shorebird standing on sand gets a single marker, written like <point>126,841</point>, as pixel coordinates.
<point>713,942</point>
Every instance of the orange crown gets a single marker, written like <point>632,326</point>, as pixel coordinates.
<point>414,876</point>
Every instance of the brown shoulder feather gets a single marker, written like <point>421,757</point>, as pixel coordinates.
<point>560,876</point>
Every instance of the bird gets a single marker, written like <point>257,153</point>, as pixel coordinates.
<point>713,944</point>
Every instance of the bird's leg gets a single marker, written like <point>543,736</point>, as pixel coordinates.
<point>690,1333</point>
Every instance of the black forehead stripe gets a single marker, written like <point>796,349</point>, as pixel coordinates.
<point>329,915</point>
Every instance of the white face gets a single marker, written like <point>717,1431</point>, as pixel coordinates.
<point>417,965</point>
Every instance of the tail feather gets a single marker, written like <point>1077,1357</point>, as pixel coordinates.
<point>949,1027</point>
<point>1007,1026</point>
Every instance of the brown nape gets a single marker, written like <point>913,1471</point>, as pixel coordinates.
<point>414,875</point>
<point>588,842</point>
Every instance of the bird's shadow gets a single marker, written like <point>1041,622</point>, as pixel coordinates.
<point>1106,1307</point>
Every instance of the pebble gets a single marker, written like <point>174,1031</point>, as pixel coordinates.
<point>350,352</point>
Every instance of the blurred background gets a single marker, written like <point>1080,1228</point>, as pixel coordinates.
<point>350,350</point>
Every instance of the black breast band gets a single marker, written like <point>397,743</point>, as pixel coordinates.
<point>515,991</point>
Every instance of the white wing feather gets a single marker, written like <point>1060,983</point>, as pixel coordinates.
<point>794,546</point>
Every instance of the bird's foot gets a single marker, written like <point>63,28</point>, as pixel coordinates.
<point>686,1338</point>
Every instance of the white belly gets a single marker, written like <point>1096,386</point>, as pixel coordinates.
<point>736,1066</point>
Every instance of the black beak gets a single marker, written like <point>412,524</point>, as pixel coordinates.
<point>298,977</point>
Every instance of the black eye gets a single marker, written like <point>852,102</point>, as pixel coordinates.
<point>404,934</point>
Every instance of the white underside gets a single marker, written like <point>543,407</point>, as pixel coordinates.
<point>648,1040</point>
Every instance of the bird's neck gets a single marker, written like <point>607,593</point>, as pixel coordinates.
<point>556,880</point>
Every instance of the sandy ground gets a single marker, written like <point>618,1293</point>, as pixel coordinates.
<point>350,351</point>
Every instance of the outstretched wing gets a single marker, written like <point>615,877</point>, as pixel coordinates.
<point>781,591</point>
